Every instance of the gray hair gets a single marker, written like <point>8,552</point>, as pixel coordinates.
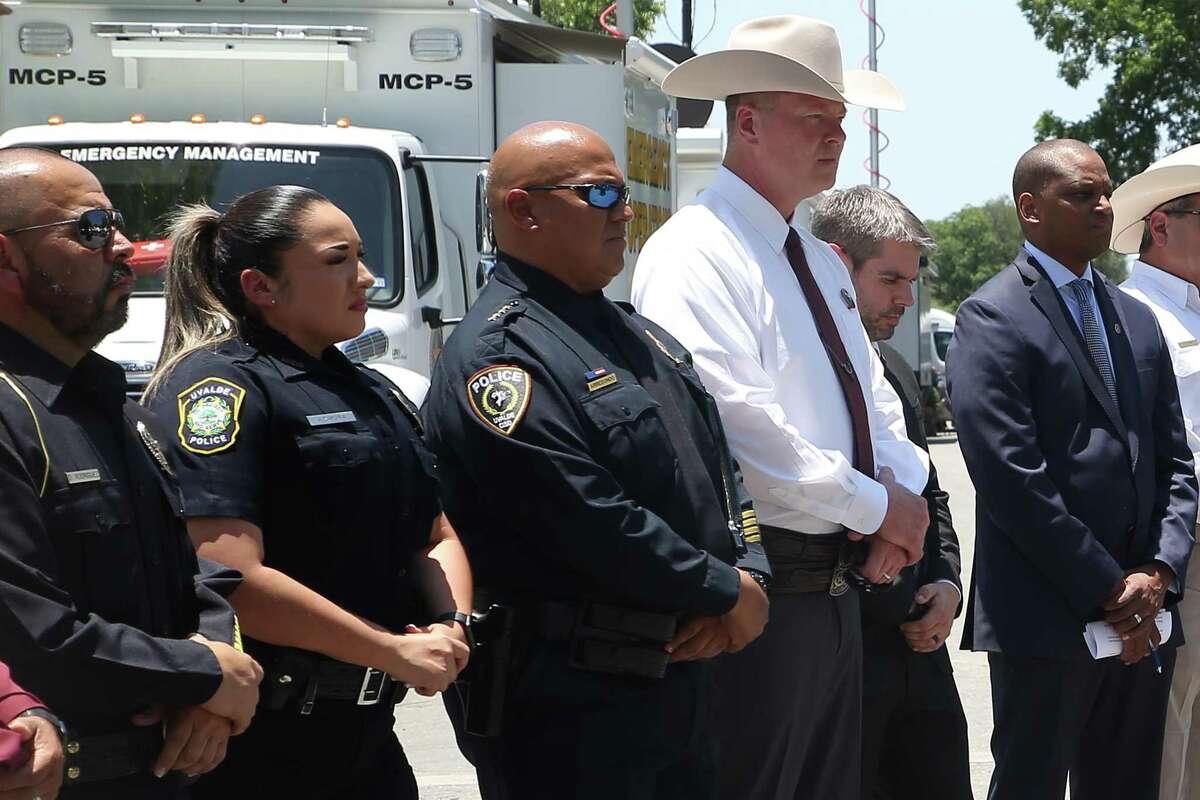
<point>862,218</point>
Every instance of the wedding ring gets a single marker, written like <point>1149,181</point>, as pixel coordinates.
<point>1137,618</point>
<point>887,578</point>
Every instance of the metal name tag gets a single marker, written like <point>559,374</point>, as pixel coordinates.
<point>336,418</point>
<point>83,476</point>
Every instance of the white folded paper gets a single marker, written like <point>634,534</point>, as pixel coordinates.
<point>1104,642</point>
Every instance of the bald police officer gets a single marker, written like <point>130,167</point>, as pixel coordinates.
<point>587,473</point>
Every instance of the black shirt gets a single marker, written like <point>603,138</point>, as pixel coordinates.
<point>322,455</point>
<point>564,474</point>
<point>99,583</point>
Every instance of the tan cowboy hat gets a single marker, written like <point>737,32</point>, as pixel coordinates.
<point>782,54</point>
<point>1174,176</point>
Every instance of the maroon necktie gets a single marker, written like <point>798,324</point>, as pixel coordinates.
<point>864,456</point>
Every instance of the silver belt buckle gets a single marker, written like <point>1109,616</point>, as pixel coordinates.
<point>372,687</point>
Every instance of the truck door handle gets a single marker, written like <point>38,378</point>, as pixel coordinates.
<point>432,316</point>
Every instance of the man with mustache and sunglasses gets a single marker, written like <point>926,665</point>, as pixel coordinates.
<point>587,473</point>
<point>105,612</point>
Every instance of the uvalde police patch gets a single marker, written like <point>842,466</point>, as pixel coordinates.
<point>499,396</point>
<point>208,415</point>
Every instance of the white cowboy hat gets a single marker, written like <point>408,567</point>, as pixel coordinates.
<point>1174,176</point>
<point>782,54</point>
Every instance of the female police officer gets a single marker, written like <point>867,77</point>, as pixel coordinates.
<point>308,474</point>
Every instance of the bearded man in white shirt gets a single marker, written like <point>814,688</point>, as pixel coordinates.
<point>1157,215</point>
<point>768,312</point>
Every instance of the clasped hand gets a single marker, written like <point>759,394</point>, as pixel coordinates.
<point>903,529</point>
<point>42,773</point>
<point>1139,595</point>
<point>708,637</point>
<point>430,658</point>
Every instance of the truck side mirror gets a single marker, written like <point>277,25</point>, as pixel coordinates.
<point>484,241</point>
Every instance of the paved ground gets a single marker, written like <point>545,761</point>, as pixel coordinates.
<point>443,774</point>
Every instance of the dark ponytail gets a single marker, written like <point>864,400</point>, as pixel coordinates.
<point>205,304</point>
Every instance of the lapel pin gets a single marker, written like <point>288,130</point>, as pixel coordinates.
<point>1117,327</point>
<point>847,299</point>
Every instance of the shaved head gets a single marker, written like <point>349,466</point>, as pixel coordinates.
<point>541,153</point>
<point>557,230</point>
<point>1045,161</point>
<point>1062,189</point>
<point>54,288</point>
<point>26,173</point>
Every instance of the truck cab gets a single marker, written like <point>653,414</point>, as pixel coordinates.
<point>387,107</point>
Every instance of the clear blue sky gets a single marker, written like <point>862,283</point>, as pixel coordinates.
<point>974,76</point>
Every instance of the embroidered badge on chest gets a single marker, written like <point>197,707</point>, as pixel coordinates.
<point>208,416</point>
<point>499,396</point>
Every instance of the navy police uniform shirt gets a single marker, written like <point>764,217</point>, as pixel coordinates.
<point>564,476</point>
<point>324,456</point>
<point>99,585</point>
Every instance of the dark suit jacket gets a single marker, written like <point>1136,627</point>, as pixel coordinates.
<point>1070,491</point>
<point>883,612</point>
<point>941,560</point>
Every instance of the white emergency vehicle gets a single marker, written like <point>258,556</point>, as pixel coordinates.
<point>388,107</point>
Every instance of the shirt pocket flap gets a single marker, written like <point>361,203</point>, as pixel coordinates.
<point>331,448</point>
<point>94,508</point>
<point>624,403</point>
<point>1186,361</point>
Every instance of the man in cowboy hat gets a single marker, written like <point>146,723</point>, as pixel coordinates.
<point>1156,216</point>
<point>768,312</point>
<point>1085,499</point>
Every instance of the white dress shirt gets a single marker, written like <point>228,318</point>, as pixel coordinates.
<point>717,277</point>
<point>1060,276</point>
<point>1176,306</point>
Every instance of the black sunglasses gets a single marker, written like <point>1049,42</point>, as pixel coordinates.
<point>596,195</point>
<point>94,228</point>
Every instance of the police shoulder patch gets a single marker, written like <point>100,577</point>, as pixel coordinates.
<point>208,415</point>
<point>499,395</point>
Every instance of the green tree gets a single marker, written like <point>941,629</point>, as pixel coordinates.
<point>1154,96</point>
<point>584,15</point>
<point>976,242</point>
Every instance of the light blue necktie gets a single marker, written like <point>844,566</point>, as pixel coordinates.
<point>1091,333</point>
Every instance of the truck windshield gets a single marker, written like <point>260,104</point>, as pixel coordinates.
<point>147,180</point>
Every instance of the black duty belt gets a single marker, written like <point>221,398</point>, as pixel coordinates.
<point>108,756</point>
<point>603,637</point>
<point>299,675</point>
<point>806,562</point>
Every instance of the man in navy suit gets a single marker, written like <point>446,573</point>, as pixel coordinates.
<point>1068,417</point>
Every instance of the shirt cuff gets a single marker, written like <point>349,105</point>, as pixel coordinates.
<point>953,586</point>
<point>868,506</point>
<point>722,584</point>
<point>15,704</point>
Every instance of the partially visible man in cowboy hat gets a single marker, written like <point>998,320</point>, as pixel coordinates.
<point>1157,215</point>
<point>768,311</point>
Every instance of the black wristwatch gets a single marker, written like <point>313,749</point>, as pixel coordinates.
<point>461,619</point>
<point>761,578</point>
<point>45,714</point>
<point>454,616</point>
